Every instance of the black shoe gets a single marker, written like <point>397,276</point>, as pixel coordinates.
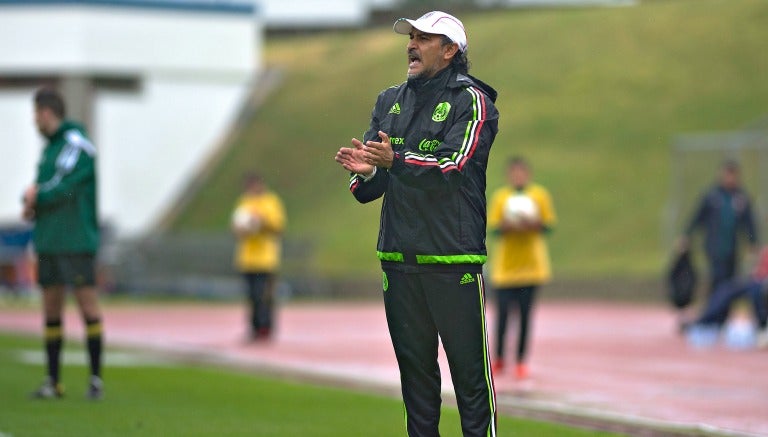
<point>48,390</point>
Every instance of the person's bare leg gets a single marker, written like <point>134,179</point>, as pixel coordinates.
<point>53,302</point>
<point>88,302</point>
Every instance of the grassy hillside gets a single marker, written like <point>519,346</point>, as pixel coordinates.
<point>591,96</point>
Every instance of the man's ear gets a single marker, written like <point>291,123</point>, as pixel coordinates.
<point>450,51</point>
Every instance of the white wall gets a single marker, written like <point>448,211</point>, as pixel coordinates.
<point>153,143</point>
<point>20,147</point>
<point>194,70</point>
<point>121,39</point>
<point>320,14</point>
<point>313,13</point>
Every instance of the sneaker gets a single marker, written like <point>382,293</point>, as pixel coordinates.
<point>497,366</point>
<point>521,371</point>
<point>95,389</point>
<point>260,335</point>
<point>48,390</point>
<point>264,333</point>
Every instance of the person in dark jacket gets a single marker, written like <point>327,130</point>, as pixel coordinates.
<point>62,205</point>
<point>723,212</point>
<point>426,152</point>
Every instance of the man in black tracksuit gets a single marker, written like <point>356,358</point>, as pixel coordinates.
<point>426,152</point>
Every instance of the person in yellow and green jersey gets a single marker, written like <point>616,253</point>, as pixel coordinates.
<point>258,222</point>
<point>520,214</point>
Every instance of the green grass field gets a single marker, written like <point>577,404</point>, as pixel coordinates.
<point>593,96</point>
<point>186,400</point>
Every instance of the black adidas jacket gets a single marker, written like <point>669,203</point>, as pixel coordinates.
<point>434,212</point>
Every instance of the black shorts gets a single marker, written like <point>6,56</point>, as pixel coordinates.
<point>74,270</point>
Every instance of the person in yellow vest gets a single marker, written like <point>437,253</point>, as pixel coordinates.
<point>521,213</point>
<point>258,222</point>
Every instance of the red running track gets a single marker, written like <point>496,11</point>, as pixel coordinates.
<point>590,362</point>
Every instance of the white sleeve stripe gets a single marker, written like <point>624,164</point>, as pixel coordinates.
<point>52,182</point>
<point>68,158</point>
<point>65,162</point>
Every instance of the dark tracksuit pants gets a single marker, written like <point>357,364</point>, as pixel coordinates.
<point>726,293</point>
<point>259,293</point>
<point>419,308</point>
<point>523,298</point>
<point>722,269</point>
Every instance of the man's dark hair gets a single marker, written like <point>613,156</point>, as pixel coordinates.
<point>50,98</point>
<point>731,165</point>
<point>460,61</point>
<point>252,177</point>
<point>518,160</point>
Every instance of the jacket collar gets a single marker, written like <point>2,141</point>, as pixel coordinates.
<point>448,77</point>
<point>63,127</point>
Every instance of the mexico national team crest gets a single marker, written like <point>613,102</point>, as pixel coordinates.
<point>441,112</point>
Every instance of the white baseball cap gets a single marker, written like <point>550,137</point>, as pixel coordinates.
<point>436,22</point>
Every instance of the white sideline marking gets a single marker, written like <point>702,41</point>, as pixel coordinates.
<point>80,358</point>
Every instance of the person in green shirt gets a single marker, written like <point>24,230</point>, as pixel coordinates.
<point>62,205</point>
